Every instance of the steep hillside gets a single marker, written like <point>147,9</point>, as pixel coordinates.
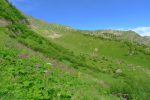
<point>34,64</point>
<point>27,74</point>
<point>88,43</point>
<point>45,29</point>
<point>129,36</point>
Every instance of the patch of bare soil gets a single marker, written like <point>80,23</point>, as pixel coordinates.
<point>3,23</point>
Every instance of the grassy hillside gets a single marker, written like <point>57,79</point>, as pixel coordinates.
<point>26,74</point>
<point>81,42</point>
<point>129,36</point>
<point>72,66</point>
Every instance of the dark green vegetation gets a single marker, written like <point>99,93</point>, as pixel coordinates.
<point>61,63</point>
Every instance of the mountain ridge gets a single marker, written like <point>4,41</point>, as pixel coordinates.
<point>126,35</point>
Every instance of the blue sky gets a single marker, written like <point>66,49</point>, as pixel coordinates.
<point>91,14</point>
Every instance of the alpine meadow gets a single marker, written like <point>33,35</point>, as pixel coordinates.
<point>44,61</point>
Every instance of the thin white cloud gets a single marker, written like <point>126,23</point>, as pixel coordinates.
<point>143,31</point>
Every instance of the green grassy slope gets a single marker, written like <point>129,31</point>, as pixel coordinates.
<point>26,74</point>
<point>101,47</point>
<point>34,67</point>
<point>81,43</point>
<point>129,35</point>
